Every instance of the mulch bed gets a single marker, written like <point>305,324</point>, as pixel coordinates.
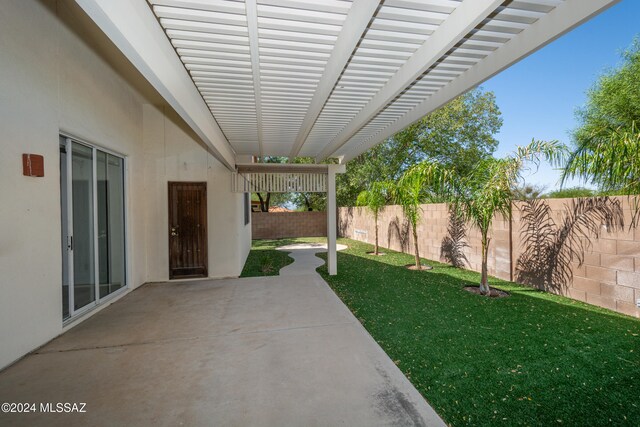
<point>422,267</point>
<point>373,253</point>
<point>493,292</point>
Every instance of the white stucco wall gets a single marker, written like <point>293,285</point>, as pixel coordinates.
<point>58,74</point>
<point>172,155</point>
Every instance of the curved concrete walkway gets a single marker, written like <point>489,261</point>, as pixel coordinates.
<point>260,351</point>
<point>304,257</point>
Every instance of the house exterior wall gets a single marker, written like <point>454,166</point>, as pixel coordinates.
<point>172,155</point>
<point>277,225</point>
<point>609,275</point>
<point>59,73</point>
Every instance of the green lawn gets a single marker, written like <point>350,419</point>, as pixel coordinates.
<point>529,359</point>
<point>265,260</point>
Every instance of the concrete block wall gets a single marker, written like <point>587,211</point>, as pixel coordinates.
<point>277,225</point>
<point>609,275</point>
<point>394,232</point>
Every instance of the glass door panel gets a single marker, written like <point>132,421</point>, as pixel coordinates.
<point>83,226</point>
<point>111,246</point>
<point>65,239</point>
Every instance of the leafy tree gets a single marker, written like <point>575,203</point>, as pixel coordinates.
<point>308,201</point>
<point>386,161</point>
<point>487,189</point>
<point>458,135</point>
<point>265,201</point>
<point>528,191</point>
<point>571,193</point>
<point>607,141</point>
<point>375,199</point>
<point>271,199</point>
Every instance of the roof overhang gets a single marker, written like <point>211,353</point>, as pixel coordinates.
<point>135,31</point>
<point>323,78</point>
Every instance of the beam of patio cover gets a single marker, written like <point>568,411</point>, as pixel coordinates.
<point>133,28</point>
<point>564,18</point>
<point>252,26</point>
<point>462,20</point>
<point>354,26</point>
<point>300,77</point>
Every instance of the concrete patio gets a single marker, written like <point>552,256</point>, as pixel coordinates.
<point>272,351</point>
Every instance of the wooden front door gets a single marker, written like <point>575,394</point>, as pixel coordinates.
<point>187,229</point>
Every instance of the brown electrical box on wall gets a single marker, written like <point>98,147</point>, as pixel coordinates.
<point>32,165</point>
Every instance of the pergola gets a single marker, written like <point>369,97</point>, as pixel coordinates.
<point>297,178</point>
<point>322,78</point>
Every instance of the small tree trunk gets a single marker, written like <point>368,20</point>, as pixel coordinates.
<point>415,244</point>
<point>263,206</point>
<point>375,250</point>
<point>306,202</point>
<point>484,277</point>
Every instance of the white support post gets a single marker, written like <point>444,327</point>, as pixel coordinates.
<point>332,218</point>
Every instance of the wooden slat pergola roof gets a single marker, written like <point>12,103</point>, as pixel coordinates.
<point>280,178</point>
<point>323,78</point>
<point>281,168</point>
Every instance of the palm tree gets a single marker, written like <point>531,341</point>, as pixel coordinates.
<point>375,199</point>
<point>609,158</point>
<point>487,190</point>
<point>607,139</point>
<point>418,186</point>
<point>408,193</point>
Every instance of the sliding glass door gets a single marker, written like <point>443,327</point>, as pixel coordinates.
<point>111,260</point>
<point>93,225</point>
<point>82,225</point>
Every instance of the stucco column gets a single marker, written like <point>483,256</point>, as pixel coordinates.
<point>332,218</point>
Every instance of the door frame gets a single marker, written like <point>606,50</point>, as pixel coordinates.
<point>205,249</point>
<point>68,140</point>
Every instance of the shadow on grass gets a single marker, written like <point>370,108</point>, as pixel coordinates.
<point>531,359</point>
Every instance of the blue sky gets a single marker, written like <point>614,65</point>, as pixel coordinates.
<point>539,95</point>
